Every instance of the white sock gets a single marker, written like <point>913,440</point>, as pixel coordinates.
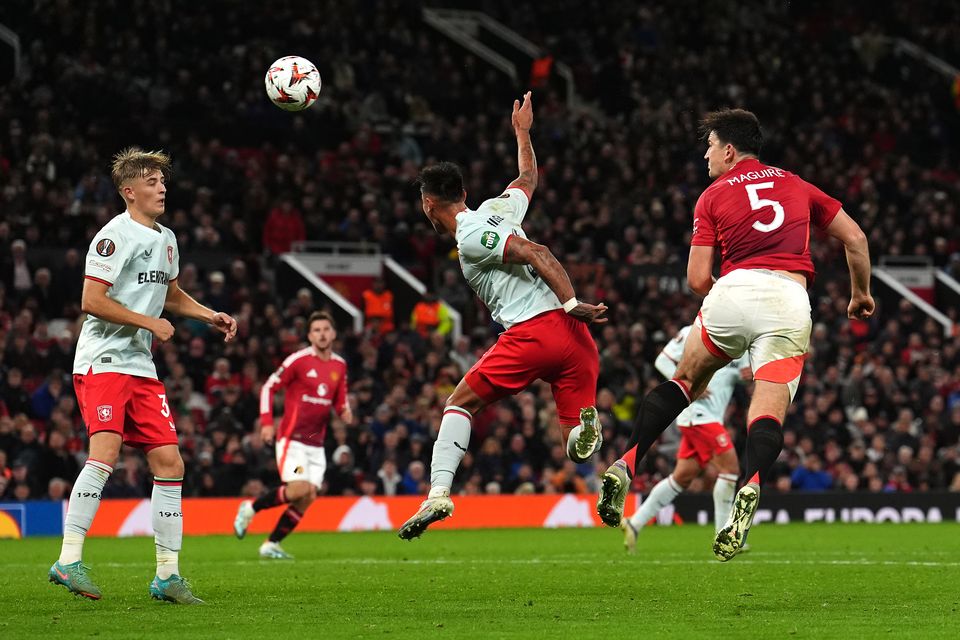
<point>83,505</point>
<point>448,450</point>
<point>723,491</point>
<point>660,496</point>
<point>166,503</point>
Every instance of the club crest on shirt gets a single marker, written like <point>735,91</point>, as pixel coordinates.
<point>322,390</point>
<point>106,247</point>
<point>334,376</point>
<point>105,413</point>
<point>170,254</point>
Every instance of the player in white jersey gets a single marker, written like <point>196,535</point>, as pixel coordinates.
<point>130,279</point>
<point>703,440</point>
<point>529,293</point>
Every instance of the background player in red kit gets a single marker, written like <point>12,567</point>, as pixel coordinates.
<point>759,216</point>
<point>315,379</point>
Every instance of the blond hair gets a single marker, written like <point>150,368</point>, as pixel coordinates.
<point>134,162</point>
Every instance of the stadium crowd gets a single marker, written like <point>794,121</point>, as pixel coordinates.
<point>879,405</point>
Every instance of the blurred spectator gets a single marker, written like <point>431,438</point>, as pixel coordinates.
<point>811,476</point>
<point>283,227</point>
<point>17,270</point>
<point>378,307</point>
<point>429,315</point>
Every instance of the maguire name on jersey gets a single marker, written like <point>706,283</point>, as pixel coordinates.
<point>512,292</point>
<point>137,263</point>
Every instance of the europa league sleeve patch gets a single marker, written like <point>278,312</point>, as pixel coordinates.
<point>106,247</point>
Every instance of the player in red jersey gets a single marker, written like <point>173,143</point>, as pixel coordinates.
<point>759,216</point>
<point>315,380</point>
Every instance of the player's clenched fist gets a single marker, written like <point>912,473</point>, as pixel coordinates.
<point>162,329</point>
<point>861,307</point>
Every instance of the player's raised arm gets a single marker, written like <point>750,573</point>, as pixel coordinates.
<point>844,229</point>
<point>522,251</point>
<point>522,120</point>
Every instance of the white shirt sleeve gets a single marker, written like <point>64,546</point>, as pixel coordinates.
<point>480,243</point>
<point>175,262</point>
<point>109,252</point>
<point>511,205</point>
<point>666,363</point>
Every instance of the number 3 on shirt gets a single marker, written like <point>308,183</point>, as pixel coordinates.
<point>757,203</point>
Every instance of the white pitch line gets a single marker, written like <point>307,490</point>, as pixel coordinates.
<point>536,561</point>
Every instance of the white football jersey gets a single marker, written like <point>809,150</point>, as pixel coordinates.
<point>713,407</point>
<point>512,292</point>
<point>138,263</point>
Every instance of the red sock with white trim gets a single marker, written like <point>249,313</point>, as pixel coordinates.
<point>449,449</point>
<point>167,505</point>
<point>659,408</point>
<point>764,442</point>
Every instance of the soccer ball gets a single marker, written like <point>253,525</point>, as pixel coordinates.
<point>293,83</point>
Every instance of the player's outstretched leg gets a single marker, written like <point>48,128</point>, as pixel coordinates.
<point>74,577</point>
<point>173,589</point>
<point>658,409</point>
<point>452,442</point>
<point>435,508</point>
<point>288,521</point>
<point>586,438</point>
<point>613,493</point>
<point>245,514</point>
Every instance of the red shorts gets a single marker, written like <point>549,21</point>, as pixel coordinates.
<point>704,441</point>
<point>133,406</point>
<point>552,347</point>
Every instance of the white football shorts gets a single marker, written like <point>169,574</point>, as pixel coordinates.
<point>761,312</point>
<point>299,461</point>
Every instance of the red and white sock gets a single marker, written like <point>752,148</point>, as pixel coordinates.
<point>167,505</point>
<point>83,505</point>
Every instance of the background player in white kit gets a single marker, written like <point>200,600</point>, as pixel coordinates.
<point>130,279</point>
<point>528,292</point>
<point>315,379</point>
<point>703,440</point>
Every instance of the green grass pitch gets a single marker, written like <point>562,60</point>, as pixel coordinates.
<point>799,581</point>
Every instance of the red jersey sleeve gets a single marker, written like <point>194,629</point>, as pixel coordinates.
<point>704,229</point>
<point>277,380</point>
<point>340,396</point>
<point>823,208</point>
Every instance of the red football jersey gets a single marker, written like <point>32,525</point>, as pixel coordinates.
<point>760,218</point>
<point>314,387</point>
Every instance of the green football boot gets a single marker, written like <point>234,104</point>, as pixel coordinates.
<point>173,589</point>
<point>74,577</point>
<point>613,493</point>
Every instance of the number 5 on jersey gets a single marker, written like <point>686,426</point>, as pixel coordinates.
<point>757,203</point>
